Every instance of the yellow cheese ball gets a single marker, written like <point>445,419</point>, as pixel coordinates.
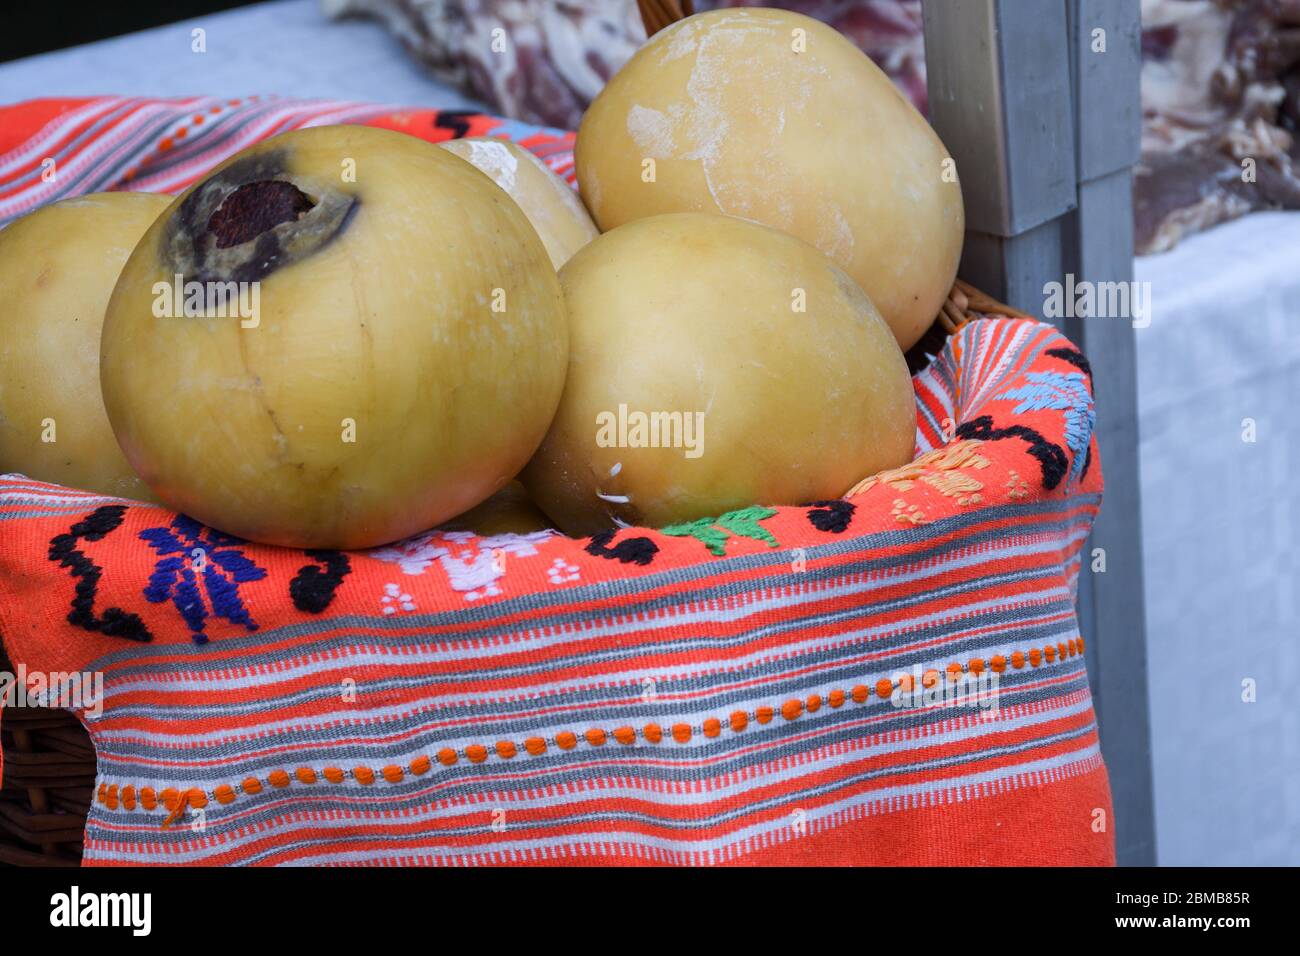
<point>57,270</point>
<point>393,357</point>
<point>509,511</point>
<point>772,116</point>
<point>715,363</point>
<point>551,206</point>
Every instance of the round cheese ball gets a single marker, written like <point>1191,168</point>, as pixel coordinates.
<point>772,116</point>
<point>714,364</point>
<point>57,270</point>
<point>389,351</point>
<point>551,206</point>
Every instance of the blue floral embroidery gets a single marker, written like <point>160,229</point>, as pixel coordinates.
<point>194,559</point>
<point>1064,392</point>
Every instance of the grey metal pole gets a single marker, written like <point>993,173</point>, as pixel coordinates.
<point>1042,114</point>
<point>999,83</point>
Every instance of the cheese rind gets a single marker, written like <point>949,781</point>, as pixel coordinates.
<point>58,266</point>
<point>553,208</point>
<point>773,116</point>
<point>407,353</point>
<point>715,364</point>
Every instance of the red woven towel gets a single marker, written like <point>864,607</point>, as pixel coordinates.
<point>895,677</point>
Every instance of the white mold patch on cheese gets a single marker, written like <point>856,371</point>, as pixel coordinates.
<point>496,160</point>
<point>652,132</point>
<point>680,41</point>
<point>836,236</point>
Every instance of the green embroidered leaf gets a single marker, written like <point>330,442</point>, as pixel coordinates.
<point>702,529</point>
<point>744,522</point>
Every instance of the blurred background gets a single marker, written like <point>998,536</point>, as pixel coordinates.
<point>1218,365</point>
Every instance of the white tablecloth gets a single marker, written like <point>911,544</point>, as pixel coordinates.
<point>287,48</point>
<point>1221,521</point>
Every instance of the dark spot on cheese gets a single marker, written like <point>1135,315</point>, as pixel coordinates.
<point>254,208</point>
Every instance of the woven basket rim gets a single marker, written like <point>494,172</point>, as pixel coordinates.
<point>657,14</point>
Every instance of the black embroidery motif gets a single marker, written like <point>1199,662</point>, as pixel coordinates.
<point>63,548</point>
<point>832,516</point>
<point>1051,457</point>
<point>629,551</point>
<point>1075,358</point>
<point>455,120</point>
<point>313,587</point>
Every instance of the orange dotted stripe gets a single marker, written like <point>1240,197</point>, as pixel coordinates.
<point>196,120</point>
<point>176,802</point>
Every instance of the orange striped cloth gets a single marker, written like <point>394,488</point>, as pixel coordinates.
<point>896,677</point>
<point>56,148</point>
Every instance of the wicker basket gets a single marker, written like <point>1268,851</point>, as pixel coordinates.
<point>49,778</point>
<point>49,762</point>
<point>657,14</point>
